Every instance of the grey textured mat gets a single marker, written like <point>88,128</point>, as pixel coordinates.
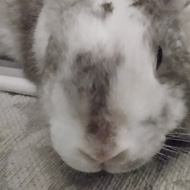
<point>10,64</point>
<point>27,161</point>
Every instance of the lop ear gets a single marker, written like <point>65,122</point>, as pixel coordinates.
<point>172,5</point>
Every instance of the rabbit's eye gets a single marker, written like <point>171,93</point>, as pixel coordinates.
<point>159,57</point>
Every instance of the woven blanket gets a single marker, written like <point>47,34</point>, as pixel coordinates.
<point>28,162</point>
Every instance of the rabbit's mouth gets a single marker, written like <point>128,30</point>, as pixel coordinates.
<point>117,164</point>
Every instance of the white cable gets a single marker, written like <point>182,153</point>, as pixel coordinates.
<point>17,85</point>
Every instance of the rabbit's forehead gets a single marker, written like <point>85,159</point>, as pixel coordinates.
<point>123,40</point>
<point>103,45</point>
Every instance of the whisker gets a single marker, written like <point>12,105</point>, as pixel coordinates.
<point>175,138</point>
<point>172,147</point>
<point>182,150</point>
<point>170,150</point>
<point>167,156</point>
<point>179,134</point>
<point>183,134</point>
<point>181,127</point>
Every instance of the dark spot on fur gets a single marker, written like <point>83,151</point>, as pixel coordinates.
<point>53,56</point>
<point>150,121</point>
<point>53,53</point>
<point>138,3</point>
<point>165,111</point>
<point>100,134</point>
<point>101,129</point>
<point>101,154</point>
<point>108,7</point>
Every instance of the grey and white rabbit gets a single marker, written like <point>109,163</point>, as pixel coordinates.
<point>113,75</point>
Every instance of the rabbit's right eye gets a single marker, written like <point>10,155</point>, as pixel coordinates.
<point>159,57</point>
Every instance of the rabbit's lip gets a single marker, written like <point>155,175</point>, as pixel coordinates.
<point>116,164</point>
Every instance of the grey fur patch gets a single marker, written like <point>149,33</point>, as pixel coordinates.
<point>54,55</point>
<point>138,3</point>
<point>108,7</point>
<point>92,77</point>
<point>102,130</point>
<point>30,11</point>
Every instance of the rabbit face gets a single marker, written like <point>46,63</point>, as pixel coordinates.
<point>108,106</point>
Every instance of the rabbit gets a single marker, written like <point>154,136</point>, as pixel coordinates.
<point>113,75</point>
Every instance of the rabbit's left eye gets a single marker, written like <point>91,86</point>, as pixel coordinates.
<point>159,57</point>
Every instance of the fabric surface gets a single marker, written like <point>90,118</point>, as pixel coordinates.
<point>5,63</point>
<point>28,162</point>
